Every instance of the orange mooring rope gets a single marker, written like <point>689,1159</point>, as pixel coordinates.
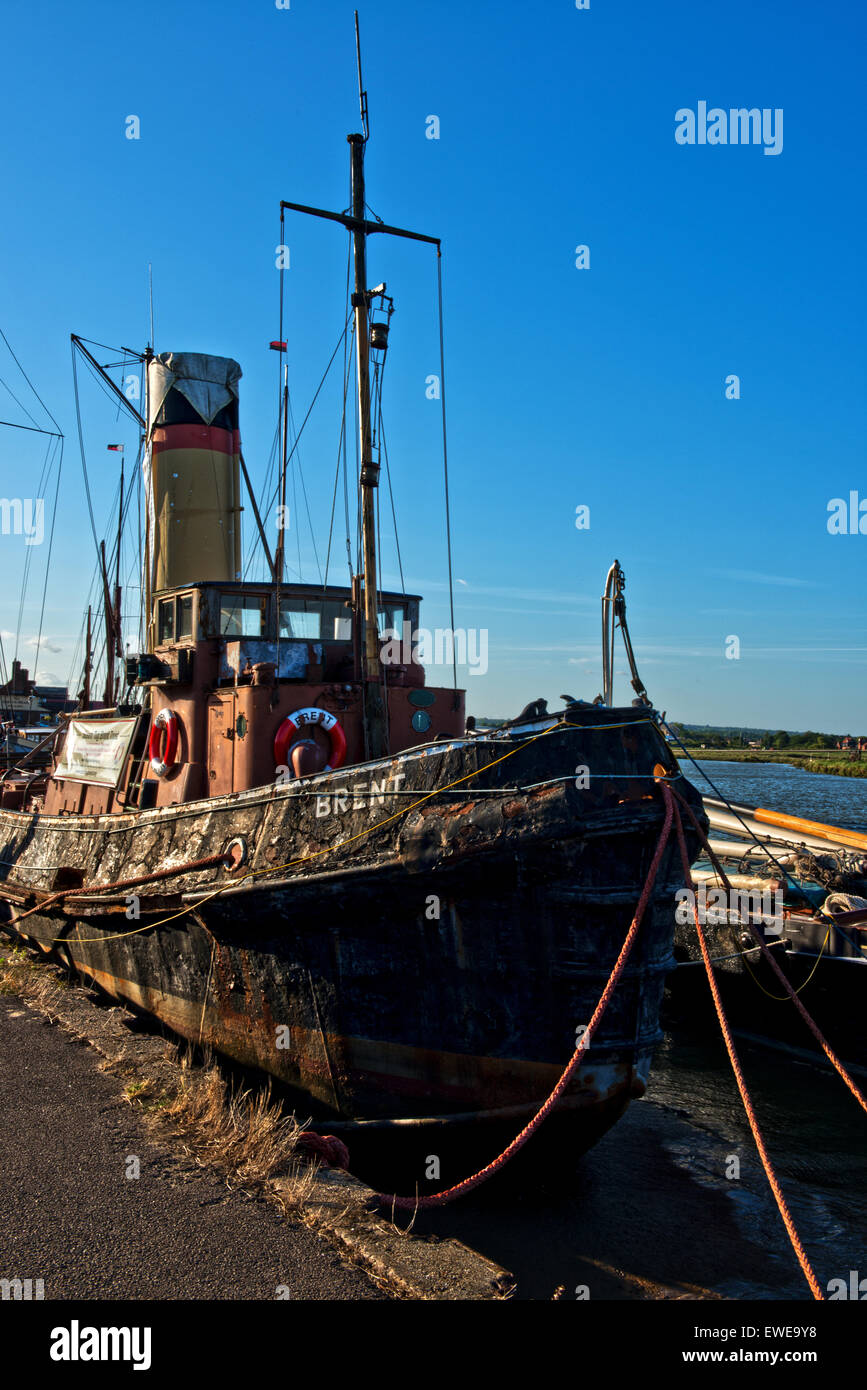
<point>672,818</point>
<point>792,993</point>
<point>789,1224</point>
<point>438,1199</point>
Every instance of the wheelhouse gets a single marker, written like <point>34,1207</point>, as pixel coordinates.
<point>231,663</point>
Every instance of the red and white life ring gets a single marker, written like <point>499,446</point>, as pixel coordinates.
<point>289,729</point>
<point>163,759</point>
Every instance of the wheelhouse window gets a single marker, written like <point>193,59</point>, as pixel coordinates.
<point>166,624</point>
<point>174,619</point>
<point>185,616</point>
<point>243,615</point>
<point>328,618</point>
<point>315,620</point>
<point>391,619</point>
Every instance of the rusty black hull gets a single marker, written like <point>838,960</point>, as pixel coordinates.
<point>390,957</point>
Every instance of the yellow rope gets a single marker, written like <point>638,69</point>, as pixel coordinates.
<point>781,998</point>
<point>292,863</point>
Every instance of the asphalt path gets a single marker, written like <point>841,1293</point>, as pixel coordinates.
<point>73,1218</point>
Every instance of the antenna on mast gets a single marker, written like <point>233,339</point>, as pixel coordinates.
<point>362,94</point>
<point>151,294</point>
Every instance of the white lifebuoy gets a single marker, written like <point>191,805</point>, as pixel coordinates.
<point>289,729</point>
<point>163,760</point>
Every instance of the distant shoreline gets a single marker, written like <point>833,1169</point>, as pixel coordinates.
<point>810,762</point>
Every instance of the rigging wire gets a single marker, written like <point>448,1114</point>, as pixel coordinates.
<point>4,672</point>
<point>446,454</point>
<point>359,521</point>
<point>96,589</point>
<point>348,349</point>
<point>130,352</point>
<point>394,513</point>
<point>273,498</point>
<point>20,404</point>
<point>29,383</point>
<point>33,429</point>
<point>115,558</point>
<point>349,367</point>
<point>346,486</point>
<point>54,452</point>
<point>295,510</point>
<point>80,643</point>
<point>341,450</point>
<point>256,550</point>
<point>379,435</point>
<point>110,395</point>
<point>44,475</point>
<point>83,460</point>
<point>48,564</point>
<point>300,472</point>
<point>110,559</point>
<point>138,548</point>
<point>380,609</point>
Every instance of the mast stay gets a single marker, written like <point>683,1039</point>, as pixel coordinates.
<point>360,227</point>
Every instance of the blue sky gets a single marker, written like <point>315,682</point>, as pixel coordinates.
<point>603,387</point>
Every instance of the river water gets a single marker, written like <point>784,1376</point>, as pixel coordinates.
<point>840,801</point>
<point>673,1202</point>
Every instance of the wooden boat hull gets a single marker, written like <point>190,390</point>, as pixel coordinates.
<point>417,958</point>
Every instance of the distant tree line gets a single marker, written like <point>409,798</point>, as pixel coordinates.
<point>782,739</point>
<point>764,738</point>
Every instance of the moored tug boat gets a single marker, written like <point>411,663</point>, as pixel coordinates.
<point>282,842</point>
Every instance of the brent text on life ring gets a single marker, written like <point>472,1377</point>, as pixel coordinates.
<point>289,732</point>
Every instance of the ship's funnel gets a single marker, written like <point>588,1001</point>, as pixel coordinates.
<point>191,469</point>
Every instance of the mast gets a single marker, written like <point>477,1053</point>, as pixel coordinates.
<point>108,609</point>
<point>118,642</point>
<point>146,587</point>
<point>85,690</point>
<point>360,227</point>
<point>113,605</point>
<point>374,711</point>
<point>279,554</point>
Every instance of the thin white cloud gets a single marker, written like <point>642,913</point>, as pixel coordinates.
<point>641,652</point>
<point>757,577</point>
<point>533,612</point>
<point>426,586</point>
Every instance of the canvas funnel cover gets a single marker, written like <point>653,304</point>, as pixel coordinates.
<point>208,383</point>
